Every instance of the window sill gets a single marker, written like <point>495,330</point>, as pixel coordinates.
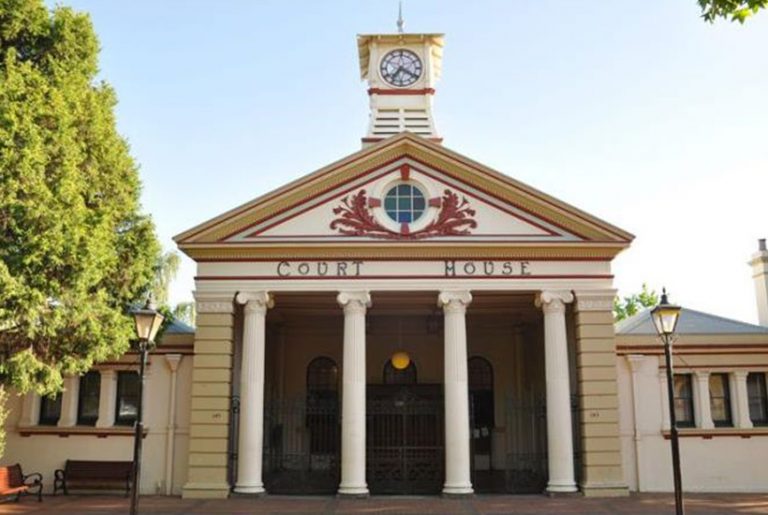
<point>65,432</point>
<point>717,432</point>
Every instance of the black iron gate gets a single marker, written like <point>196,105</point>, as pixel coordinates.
<point>526,442</point>
<point>302,446</point>
<point>525,468</point>
<point>405,450</point>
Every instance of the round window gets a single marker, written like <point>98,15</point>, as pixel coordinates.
<point>404,203</point>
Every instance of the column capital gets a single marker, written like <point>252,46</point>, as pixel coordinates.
<point>553,301</point>
<point>214,303</point>
<point>454,300</point>
<point>701,375</point>
<point>255,301</point>
<point>740,374</point>
<point>354,301</point>
<point>173,360</point>
<point>635,362</point>
<point>595,300</point>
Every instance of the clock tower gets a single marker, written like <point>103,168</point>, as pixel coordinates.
<point>401,70</point>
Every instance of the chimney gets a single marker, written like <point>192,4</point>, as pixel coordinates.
<point>759,263</point>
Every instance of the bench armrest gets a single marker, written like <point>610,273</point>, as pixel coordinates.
<point>36,478</point>
<point>59,474</point>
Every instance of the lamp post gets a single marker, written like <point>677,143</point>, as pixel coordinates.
<point>147,321</point>
<point>665,317</point>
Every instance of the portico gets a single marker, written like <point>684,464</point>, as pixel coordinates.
<point>523,328</point>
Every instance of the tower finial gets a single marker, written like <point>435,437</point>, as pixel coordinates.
<point>400,21</point>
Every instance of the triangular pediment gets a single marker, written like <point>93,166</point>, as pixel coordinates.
<point>444,198</point>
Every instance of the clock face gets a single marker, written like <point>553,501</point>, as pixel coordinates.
<point>401,68</point>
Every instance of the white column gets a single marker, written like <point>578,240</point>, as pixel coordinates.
<point>635,362</point>
<point>703,410</point>
<point>741,400</point>
<point>457,457</point>
<point>665,423</point>
<point>353,483</point>
<point>30,410</point>
<point>559,428</point>
<point>251,425</point>
<point>107,398</point>
<point>69,399</point>
<point>172,360</point>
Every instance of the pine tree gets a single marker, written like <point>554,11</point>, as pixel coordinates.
<point>75,250</point>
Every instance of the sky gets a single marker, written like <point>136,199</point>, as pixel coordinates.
<point>637,112</point>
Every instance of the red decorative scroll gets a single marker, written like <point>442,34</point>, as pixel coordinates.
<point>456,218</point>
<point>356,219</point>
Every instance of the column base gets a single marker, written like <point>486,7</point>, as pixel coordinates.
<point>353,492</point>
<point>250,489</point>
<point>458,491</point>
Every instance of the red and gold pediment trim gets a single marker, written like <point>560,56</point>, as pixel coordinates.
<point>404,145</point>
<point>387,250</point>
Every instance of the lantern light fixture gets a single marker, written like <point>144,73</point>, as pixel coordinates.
<point>665,316</point>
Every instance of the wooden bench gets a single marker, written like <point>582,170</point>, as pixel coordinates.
<point>14,482</point>
<point>79,474</point>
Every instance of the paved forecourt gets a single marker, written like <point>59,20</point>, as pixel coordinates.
<point>491,504</point>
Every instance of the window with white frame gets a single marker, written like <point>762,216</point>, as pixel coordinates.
<point>88,399</point>
<point>50,410</point>
<point>684,400</point>
<point>127,406</point>
<point>720,400</point>
<point>758,398</point>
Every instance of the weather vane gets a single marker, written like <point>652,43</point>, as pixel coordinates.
<point>400,21</point>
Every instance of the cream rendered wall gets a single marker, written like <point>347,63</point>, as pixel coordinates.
<point>717,464</point>
<point>45,453</point>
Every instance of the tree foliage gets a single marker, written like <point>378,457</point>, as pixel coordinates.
<point>735,10</point>
<point>3,416</point>
<point>631,304</point>
<point>185,311</point>
<point>166,268</point>
<point>75,251</point>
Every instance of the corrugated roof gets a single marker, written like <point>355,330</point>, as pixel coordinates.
<point>691,322</point>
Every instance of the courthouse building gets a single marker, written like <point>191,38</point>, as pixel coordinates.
<point>407,320</point>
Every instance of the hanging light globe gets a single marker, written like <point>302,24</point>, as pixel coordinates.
<point>400,360</point>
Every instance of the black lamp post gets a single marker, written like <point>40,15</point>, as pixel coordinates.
<point>148,321</point>
<point>665,317</point>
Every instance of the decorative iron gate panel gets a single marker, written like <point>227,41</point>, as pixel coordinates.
<point>302,446</point>
<point>526,466</point>
<point>405,450</point>
<point>526,458</point>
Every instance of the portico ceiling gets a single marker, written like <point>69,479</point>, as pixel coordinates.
<point>518,305</point>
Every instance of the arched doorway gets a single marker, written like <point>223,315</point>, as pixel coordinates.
<point>302,445</point>
<point>405,376</point>
<point>482,420</point>
<point>405,450</point>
